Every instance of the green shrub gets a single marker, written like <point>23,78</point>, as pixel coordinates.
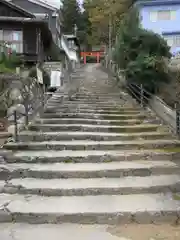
<point>5,69</point>
<point>8,63</point>
<point>141,53</point>
<point>148,70</point>
<point>13,60</point>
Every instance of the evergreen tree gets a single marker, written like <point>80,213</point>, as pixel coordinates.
<point>71,15</point>
<point>84,31</point>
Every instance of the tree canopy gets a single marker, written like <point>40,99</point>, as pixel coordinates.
<point>98,19</point>
<point>105,14</point>
<point>141,53</point>
<point>72,15</point>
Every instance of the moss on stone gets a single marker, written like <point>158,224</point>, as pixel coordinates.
<point>132,130</point>
<point>107,160</point>
<point>173,149</point>
<point>68,160</point>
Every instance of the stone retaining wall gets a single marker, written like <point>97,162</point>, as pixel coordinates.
<point>23,95</point>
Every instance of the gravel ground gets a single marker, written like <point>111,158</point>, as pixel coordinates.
<point>146,232</point>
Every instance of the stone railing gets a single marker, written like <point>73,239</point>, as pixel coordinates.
<point>22,98</point>
<point>164,111</point>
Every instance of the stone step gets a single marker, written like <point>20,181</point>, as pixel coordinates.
<point>79,110</point>
<point>95,136</point>
<point>94,128</point>
<point>87,121</point>
<point>97,99</point>
<point>4,135</point>
<point>91,109</point>
<point>97,107</point>
<point>100,98</point>
<point>116,103</point>
<point>103,209</point>
<point>58,98</point>
<point>108,95</point>
<point>93,145</point>
<point>95,116</point>
<point>64,106</point>
<point>72,109</point>
<point>4,152</point>
<point>94,104</point>
<point>99,95</point>
<point>88,170</point>
<point>18,231</point>
<point>94,186</point>
<point>68,156</point>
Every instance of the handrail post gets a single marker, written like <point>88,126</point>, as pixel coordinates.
<point>141,96</point>
<point>26,115</point>
<point>177,121</point>
<point>15,127</point>
<point>44,96</point>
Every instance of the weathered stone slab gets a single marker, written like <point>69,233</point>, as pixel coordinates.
<point>91,127</point>
<point>104,209</point>
<point>95,136</point>
<point>89,170</point>
<point>94,186</point>
<point>103,111</point>
<point>87,121</point>
<point>55,109</point>
<point>88,115</point>
<point>93,145</point>
<point>90,156</point>
<point>20,231</point>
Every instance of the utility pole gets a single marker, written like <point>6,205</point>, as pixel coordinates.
<point>110,36</point>
<point>110,32</point>
<point>75,30</point>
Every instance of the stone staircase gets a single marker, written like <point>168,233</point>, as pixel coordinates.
<point>97,158</point>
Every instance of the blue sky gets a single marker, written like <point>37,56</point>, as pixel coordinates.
<point>53,2</point>
<point>56,2</point>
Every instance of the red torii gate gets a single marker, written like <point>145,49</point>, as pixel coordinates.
<point>96,54</point>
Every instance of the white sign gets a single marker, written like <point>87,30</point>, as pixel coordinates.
<point>56,78</point>
<point>39,76</point>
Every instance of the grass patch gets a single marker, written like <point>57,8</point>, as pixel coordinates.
<point>176,197</point>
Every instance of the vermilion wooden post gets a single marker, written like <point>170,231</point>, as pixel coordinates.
<point>98,57</point>
<point>84,58</point>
